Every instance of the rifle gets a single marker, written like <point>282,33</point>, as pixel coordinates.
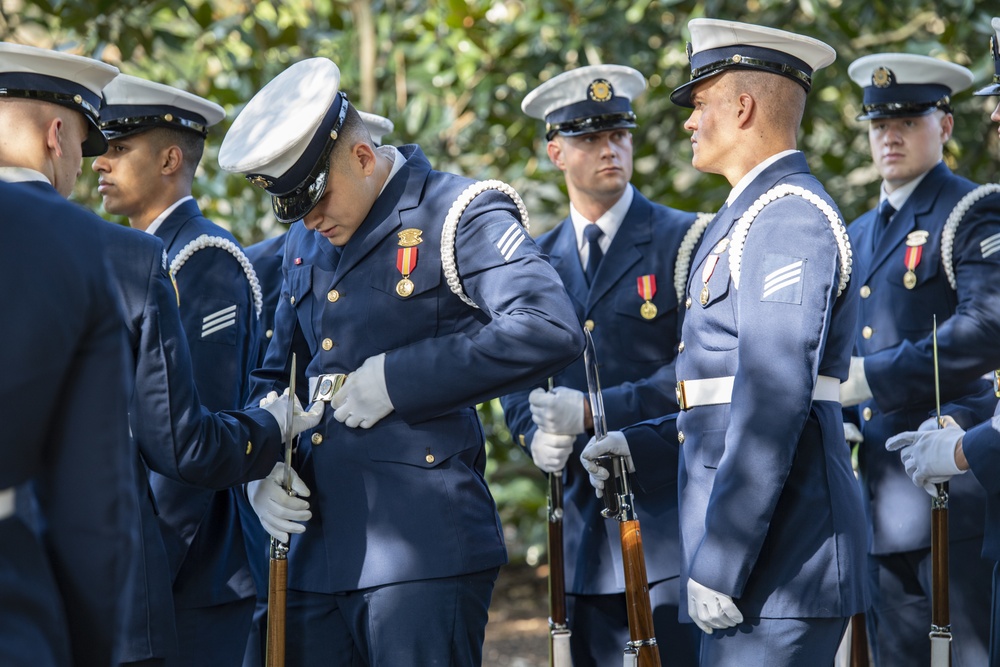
<point>940,633</point>
<point>859,641</point>
<point>641,650</point>
<point>559,632</point>
<point>277,576</point>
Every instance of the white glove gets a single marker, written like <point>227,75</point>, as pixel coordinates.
<point>301,421</point>
<point>278,512</point>
<point>928,456</point>
<point>855,389</point>
<point>549,451</point>
<point>558,411</point>
<point>614,444</point>
<point>852,434</point>
<point>711,610</point>
<point>364,398</point>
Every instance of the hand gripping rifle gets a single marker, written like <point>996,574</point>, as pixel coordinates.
<point>559,632</point>
<point>940,633</point>
<point>641,650</point>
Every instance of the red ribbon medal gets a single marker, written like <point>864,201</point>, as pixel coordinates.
<point>406,261</point>
<point>647,290</point>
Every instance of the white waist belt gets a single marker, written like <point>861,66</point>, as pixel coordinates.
<point>6,503</point>
<point>718,391</point>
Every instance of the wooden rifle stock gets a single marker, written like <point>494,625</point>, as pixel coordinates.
<point>277,585</point>
<point>559,632</point>
<point>618,504</point>
<point>859,641</point>
<point>940,617</point>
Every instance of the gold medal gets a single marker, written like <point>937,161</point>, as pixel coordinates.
<point>648,310</point>
<point>404,287</point>
<point>705,294</point>
<point>909,280</point>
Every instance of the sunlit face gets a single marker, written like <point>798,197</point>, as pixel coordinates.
<point>69,165</point>
<point>129,175</point>
<point>342,208</point>
<point>711,134</point>
<point>904,148</point>
<point>598,164</point>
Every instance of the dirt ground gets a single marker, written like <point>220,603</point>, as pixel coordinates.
<point>518,630</point>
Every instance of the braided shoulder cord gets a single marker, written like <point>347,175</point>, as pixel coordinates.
<point>206,241</point>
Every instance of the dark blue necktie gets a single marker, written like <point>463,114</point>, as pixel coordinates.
<point>593,234</point>
<point>885,213</point>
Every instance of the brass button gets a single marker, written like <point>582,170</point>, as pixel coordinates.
<point>317,438</point>
<point>680,437</point>
<point>332,296</point>
<point>867,332</point>
<point>327,344</point>
<point>429,458</point>
<point>269,333</point>
<point>688,302</point>
<point>589,325</point>
<point>680,347</point>
<point>292,300</point>
<point>867,414</point>
<point>249,447</point>
<point>866,291</point>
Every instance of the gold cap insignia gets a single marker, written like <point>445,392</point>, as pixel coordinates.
<point>259,181</point>
<point>410,237</point>
<point>882,77</point>
<point>600,90</point>
<point>917,238</point>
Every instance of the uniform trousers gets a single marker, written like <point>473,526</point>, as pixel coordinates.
<point>900,620</point>
<point>774,642</point>
<point>213,636</point>
<point>600,627</point>
<point>995,619</point>
<point>433,622</point>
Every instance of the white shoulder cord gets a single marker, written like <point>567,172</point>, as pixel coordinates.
<point>683,264</point>
<point>206,241</point>
<point>836,224</point>
<point>951,227</point>
<point>448,232</point>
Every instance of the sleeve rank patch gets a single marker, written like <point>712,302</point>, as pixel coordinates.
<point>783,280</point>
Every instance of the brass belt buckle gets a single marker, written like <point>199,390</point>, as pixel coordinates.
<point>327,386</point>
<point>681,396</point>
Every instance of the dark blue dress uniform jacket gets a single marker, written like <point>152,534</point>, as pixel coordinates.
<point>176,436</point>
<point>200,527</point>
<point>899,355</point>
<point>406,500</point>
<point>769,504</point>
<point>981,446</point>
<point>63,397</point>
<point>636,364</point>
<point>266,258</point>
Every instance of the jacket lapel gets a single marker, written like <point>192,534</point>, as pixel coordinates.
<point>171,227</point>
<point>625,251</point>
<point>565,259</point>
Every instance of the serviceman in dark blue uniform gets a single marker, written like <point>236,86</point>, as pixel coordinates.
<point>622,286</point>
<point>915,260</point>
<point>65,458</point>
<point>266,258</point>
<point>772,549</point>
<point>157,135</point>
<point>432,307</point>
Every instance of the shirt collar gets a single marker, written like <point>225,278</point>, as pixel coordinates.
<point>153,226</point>
<point>397,163</point>
<point>899,196</point>
<point>21,175</point>
<point>754,173</point>
<point>609,222</point>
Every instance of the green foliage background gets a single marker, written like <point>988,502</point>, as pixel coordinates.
<point>451,74</point>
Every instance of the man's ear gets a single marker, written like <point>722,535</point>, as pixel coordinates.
<point>53,136</point>
<point>172,160</point>
<point>554,149</point>
<point>746,106</point>
<point>364,157</point>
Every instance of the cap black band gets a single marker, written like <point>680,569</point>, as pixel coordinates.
<point>119,120</point>
<point>573,128</point>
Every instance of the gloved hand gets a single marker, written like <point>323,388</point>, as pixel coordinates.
<point>852,434</point>
<point>711,610</point>
<point>928,455</point>
<point>301,421</point>
<point>558,411</point>
<point>614,444</point>
<point>855,389</point>
<point>932,423</point>
<point>549,451</point>
<point>364,398</point>
<point>278,512</point>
